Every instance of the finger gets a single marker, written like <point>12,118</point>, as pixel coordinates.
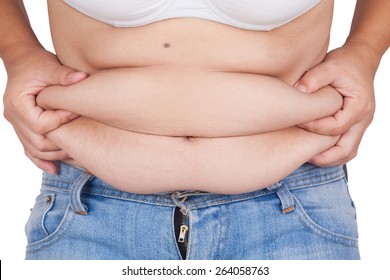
<point>345,149</point>
<point>39,142</point>
<point>61,75</point>
<point>49,156</point>
<point>44,155</point>
<point>39,120</point>
<point>37,154</point>
<point>44,165</point>
<point>316,78</point>
<point>52,119</point>
<point>324,126</point>
<point>49,120</point>
<point>42,160</point>
<point>332,157</point>
<point>32,152</point>
<point>337,124</point>
<point>332,125</point>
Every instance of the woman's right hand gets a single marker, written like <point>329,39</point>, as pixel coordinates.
<point>30,70</point>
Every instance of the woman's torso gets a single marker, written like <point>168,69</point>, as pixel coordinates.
<point>286,52</point>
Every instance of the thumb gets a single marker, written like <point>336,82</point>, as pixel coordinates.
<point>316,78</point>
<point>65,76</point>
<point>74,77</point>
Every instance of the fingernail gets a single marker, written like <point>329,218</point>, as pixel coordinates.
<point>74,76</point>
<point>73,117</point>
<point>51,171</point>
<point>301,88</point>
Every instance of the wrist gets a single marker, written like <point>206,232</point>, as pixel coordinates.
<point>14,54</point>
<point>366,51</point>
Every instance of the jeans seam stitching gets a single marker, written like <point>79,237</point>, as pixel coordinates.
<point>323,232</point>
<point>55,236</point>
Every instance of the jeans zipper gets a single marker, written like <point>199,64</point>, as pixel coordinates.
<point>182,235</point>
<point>183,229</point>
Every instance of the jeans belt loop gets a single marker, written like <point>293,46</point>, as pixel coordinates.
<point>286,199</point>
<point>75,193</point>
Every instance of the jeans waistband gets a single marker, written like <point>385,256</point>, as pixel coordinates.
<point>307,175</point>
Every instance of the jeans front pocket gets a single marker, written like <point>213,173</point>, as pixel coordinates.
<point>327,210</point>
<point>47,217</point>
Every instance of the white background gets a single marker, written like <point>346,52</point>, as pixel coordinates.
<point>369,185</point>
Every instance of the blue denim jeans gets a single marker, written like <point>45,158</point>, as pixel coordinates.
<point>308,215</point>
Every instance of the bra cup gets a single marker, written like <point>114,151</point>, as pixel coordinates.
<point>261,12</point>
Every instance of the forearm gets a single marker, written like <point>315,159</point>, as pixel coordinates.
<point>198,103</point>
<point>370,32</point>
<point>16,34</point>
<point>142,163</point>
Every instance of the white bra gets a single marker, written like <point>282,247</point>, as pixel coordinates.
<point>245,14</point>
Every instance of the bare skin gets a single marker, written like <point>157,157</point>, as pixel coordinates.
<point>134,162</point>
<point>190,102</point>
<point>164,163</point>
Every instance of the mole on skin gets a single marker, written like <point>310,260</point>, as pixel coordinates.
<point>167,45</point>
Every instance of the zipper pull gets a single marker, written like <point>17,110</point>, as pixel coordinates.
<point>183,232</point>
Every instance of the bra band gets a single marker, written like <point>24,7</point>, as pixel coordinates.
<point>247,14</point>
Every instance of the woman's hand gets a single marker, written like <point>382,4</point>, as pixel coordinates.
<point>349,72</point>
<point>31,69</point>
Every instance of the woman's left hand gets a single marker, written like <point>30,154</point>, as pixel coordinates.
<point>347,70</point>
